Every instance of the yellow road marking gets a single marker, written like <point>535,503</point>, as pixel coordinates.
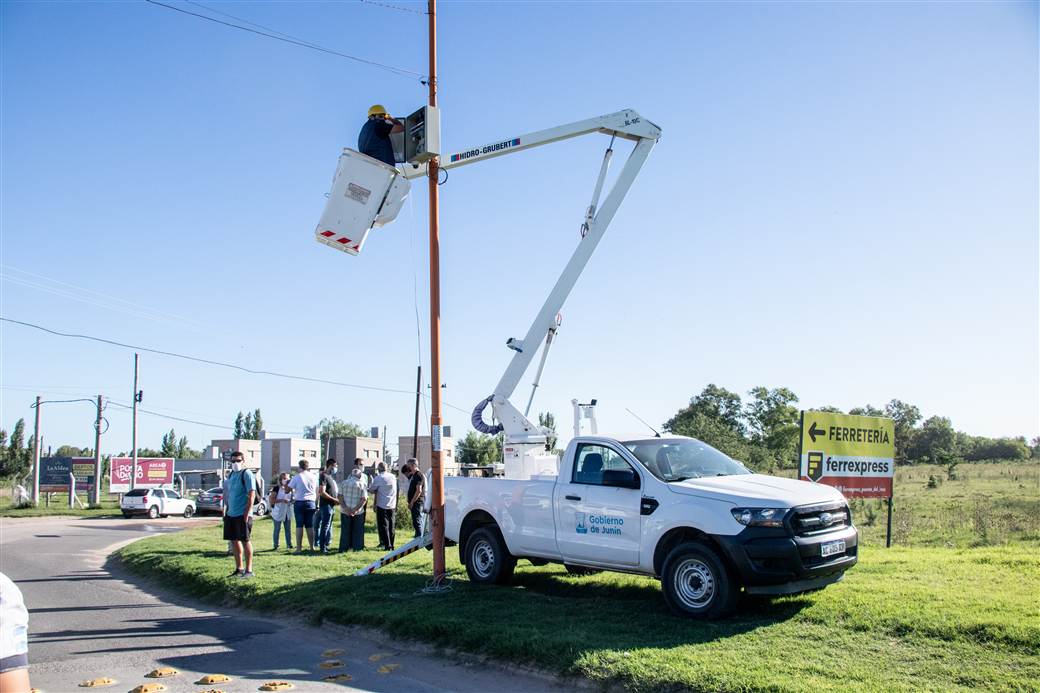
<point>96,683</point>
<point>331,664</point>
<point>332,653</point>
<point>276,686</point>
<point>162,672</point>
<point>339,677</point>
<point>213,678</point>
<point>148,688</point>
<point>387,668</point>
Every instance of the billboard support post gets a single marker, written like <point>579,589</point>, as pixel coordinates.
<point>72,490</point>
<point>888,533</point>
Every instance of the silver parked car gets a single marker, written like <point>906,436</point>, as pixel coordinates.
<point>212,501</point>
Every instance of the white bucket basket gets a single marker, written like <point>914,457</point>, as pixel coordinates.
<point>365,194</point>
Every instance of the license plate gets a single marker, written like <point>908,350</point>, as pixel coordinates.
<point>832,547</point>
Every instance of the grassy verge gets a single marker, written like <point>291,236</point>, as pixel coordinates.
<point>59,505</point>
<point>904,619</point>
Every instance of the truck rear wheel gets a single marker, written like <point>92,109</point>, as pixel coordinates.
<point>487,559</point>
<point>696,584</point>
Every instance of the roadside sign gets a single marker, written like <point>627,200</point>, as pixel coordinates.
<point>854,454</point>
<point>54,473</point>
<point>151,473</point>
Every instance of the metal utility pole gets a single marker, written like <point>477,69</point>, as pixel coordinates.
<point>437,470</point>
<point>96,500</point>
<point>133,444</point>
<point>36,455</point>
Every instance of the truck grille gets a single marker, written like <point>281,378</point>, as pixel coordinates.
<point>817,519</point>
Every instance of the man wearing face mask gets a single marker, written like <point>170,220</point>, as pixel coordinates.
<point>239,498</point>
<point>353,496</point>
<point>327,501</point>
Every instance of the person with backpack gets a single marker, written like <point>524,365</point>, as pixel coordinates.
<point>238,514</point>
<point>328,499</point>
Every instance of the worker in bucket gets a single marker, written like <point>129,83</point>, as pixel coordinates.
<point>374,140</point>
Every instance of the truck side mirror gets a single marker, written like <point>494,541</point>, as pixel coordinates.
<point>620,478</point>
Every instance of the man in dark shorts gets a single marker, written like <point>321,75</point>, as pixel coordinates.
<point>238,511</point>
<point>416,493</point>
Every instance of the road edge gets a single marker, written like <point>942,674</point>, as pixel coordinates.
<point>114,564</point>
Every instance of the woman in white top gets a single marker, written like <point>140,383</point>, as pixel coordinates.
<point>281,509</point>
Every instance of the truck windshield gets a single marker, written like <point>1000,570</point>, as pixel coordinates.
<point>671,459</point>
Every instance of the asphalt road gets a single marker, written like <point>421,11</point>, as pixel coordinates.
<point>88,618</point>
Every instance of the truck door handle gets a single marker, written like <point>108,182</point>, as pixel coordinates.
<point>576,498</point>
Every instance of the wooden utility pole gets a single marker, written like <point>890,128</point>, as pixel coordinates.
<point>36,455</point>
<point>437,469</point>
<point>133,444</point>
<point>97,455</point>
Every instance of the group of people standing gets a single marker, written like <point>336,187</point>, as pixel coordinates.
<point>311,499</point>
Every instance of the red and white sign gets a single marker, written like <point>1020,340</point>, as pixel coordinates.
<point>152,472</point>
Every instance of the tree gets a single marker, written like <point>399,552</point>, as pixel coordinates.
<point>17,457</point>
<point>240,427</point>
<point>712,431</point>
<point>772,421</point>
<point>184,452</point>
<point>169,445</point>
<point>905,416</point>
<point>868,410</point>
<point>73,451</point>
<point>258,424</point>
<point>247,427</point>
<point>334,427</point>
<point>547,420</point>
<point>149,453</point>
<point>829,409</point>
<point>479,449</point>
<point>934,442</point>
<point>714,403</point>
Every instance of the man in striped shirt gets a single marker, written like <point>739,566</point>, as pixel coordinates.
<point>353,497</point>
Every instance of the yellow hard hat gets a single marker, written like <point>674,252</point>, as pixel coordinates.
<point>376,110</point>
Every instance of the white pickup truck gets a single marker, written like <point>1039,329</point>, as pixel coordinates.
<point>671,507</point>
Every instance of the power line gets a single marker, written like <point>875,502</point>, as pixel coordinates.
<point>199,423</point>
<point>223,364</point>
<point>401,72</point>
<point>392,7</point>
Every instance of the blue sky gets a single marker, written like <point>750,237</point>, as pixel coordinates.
<point>844,202</point>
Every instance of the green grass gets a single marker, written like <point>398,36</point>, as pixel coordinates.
<point>919,618</point>
<point>987,504</point>
<point>59,505</point>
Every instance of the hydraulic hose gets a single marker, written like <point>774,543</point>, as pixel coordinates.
<point>478,418</point>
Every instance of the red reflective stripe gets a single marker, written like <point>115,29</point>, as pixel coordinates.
<point>328,233</point>
<point>344,240</point>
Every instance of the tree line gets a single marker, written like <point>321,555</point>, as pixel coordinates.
<point>763,430</point>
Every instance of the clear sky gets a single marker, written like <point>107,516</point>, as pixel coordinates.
<point>844,202</point>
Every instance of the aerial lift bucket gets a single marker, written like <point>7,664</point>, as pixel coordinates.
<point>366,194</point>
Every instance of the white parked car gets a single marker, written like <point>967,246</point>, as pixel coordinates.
<point>155,502</point>
<point>674,508</point>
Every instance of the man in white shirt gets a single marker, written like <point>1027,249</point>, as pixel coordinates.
<point>384,485</point>
<point>305,492</point>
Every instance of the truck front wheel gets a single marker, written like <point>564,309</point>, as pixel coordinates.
<point>695,583</point>
<point>487,559</point>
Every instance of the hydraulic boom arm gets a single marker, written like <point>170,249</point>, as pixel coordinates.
<point>625,124</point>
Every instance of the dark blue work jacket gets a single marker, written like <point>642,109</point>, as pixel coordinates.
<point>374,140</point>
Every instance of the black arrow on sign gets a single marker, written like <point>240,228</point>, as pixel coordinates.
<point>813,432</point>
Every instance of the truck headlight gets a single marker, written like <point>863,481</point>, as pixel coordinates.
<point>760,517</point>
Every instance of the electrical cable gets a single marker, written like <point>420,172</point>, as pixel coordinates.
<point>210,362</point>
<point>199,423</point>
<point>393,7</point>
<point>401,72</point>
